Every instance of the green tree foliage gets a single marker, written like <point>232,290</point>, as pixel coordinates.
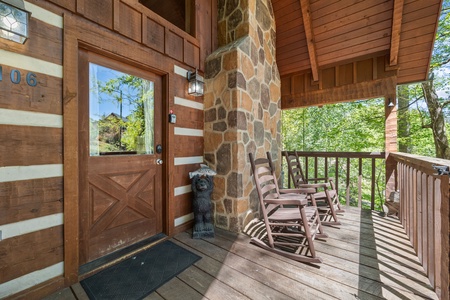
<point>432,107</point>
<point>344,127</point>
<point>356,126</point>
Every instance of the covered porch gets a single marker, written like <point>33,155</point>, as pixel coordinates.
<point>318,52</point>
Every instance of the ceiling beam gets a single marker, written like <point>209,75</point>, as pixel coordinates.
<point>397,17</point>
<point>306,14</point>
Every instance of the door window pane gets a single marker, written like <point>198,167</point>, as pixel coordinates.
<point>121,112</point>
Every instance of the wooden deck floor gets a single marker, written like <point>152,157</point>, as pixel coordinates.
<point>367,257</point>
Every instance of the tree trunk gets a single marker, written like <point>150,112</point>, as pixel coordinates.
<point>437,120</point>
<point>404,138</point>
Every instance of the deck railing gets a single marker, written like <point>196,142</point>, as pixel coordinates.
<point>424,199</point>
<point>424,213</point>
<point>358,174</point>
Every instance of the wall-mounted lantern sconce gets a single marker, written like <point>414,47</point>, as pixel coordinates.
<point>390,103</point>
<point>195,83</point>
<point>14,20</point>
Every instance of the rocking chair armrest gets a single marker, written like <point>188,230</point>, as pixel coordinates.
<point>287,201</point>
<point>326,179</point>
<point>313,185</point>
<point>301,190</point>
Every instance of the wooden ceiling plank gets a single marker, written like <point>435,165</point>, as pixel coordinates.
<point>306,13</point>
<point>397,18</point>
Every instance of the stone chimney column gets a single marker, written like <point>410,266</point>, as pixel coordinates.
<point>242,107</point>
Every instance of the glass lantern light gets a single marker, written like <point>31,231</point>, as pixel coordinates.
<point>14,20</point>
<point>195,83</point>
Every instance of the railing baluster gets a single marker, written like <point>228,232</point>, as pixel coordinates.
<point>315,167</point>
<point>326,167</point>
<point>360,182</point>
<point>372,200</point>
<point>337,175</point>
<point>306,168</point>
<point>347,182</point>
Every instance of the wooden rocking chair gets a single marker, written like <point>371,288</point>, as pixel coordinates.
<point>326,195</point>
<point>291,225</point>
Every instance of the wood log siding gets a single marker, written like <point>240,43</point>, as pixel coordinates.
<point>137,22</point>
<point>311,160</point>
<point>424,213</point>
<point>31,183</point>
<point>33,116</point>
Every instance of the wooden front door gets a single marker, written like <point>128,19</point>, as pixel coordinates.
<point>120,155</point>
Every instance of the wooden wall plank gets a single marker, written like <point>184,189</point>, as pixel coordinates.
<point>28,199</point>
<point>45,97</point>
<point>181,174</point>
<point>17,259</point>
<point>154,37</point>
<point>340,15</point>
<point>44,42</point>
<point>174,45</point>
<point>183,205</point>
<point>67,4</point>
<point>30,145</point>
<point>130,22</point>
<point>345,74</point>
<point>100,12</point>
<point>380,23</point>
<point>364,70</point>
<point>188,146</point>
<point>290,16</point>
<point>191,54</point>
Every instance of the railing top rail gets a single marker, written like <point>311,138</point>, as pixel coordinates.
<point>421,163</point>
<point>341,154</point>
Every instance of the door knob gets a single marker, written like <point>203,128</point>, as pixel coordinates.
<point>159,161</point>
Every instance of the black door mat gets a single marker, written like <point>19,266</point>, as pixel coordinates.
<point>140,275</point>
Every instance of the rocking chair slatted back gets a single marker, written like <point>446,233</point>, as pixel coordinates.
<point>325,191</point>
<point>291,225</point>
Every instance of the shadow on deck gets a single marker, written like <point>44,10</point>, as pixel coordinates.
<point>367,257</point>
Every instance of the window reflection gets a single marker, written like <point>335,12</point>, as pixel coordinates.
<point>121,112</point>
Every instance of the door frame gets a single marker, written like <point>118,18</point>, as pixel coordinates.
<point>79,33</point>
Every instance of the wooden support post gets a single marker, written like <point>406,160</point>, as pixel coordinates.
<point>390,138</point>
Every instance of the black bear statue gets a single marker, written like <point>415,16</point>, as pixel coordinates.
<point>202,186</point>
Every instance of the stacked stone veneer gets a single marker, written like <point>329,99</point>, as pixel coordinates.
<point>242,106</point>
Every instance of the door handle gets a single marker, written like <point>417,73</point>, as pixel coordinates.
<point>159,161</point>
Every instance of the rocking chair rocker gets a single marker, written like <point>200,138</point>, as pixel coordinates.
<point>291,225</point>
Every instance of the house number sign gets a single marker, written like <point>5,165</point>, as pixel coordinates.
<point>16,77</point>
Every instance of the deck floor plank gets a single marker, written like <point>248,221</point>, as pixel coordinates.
<point>368,257</point>
<point>274,280</point>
